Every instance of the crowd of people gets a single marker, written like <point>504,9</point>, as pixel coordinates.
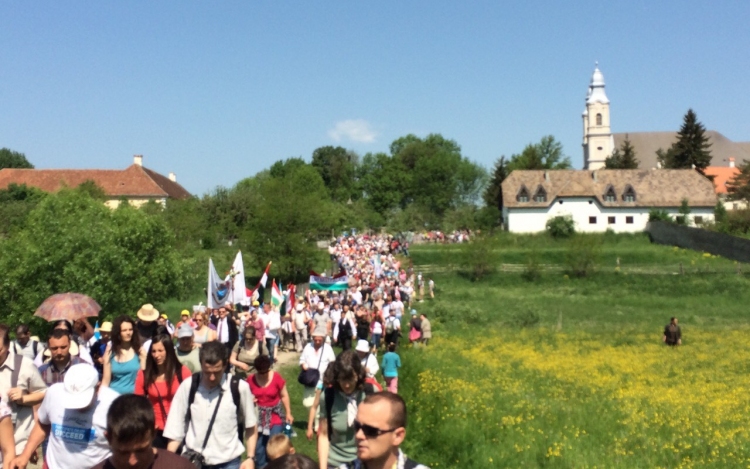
<point>140,392</point>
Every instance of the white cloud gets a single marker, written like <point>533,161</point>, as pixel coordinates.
<point>355,130</point>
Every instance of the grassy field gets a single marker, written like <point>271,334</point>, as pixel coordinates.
<point>571,372</point>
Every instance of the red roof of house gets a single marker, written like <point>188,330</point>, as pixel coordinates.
<point>721,175</point>
<point>134,181</point>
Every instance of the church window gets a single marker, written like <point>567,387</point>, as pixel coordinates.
<point>629,194</point>
<point>598,119</point>
<point>610,195</point>
<point>523,195</point>
<point>541,195</point>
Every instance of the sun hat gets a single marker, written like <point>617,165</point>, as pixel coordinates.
<point>185,313</point>
<point>362,346</point>
<point>318,334</point>
<point>80,385</point>
<point>148,313</point>
<point>185,331</point>
<point>299,307</point>
<point>106,327</point>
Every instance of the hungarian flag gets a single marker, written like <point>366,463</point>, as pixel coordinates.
<point>276,297</point>
<point>339,282</point>
<point>290,300</point>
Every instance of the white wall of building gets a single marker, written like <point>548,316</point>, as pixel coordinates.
<point>581,209</point>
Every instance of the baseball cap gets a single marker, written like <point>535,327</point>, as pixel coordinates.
<point>80,385</point>
<point>185,313</point>
<point>185,331</point>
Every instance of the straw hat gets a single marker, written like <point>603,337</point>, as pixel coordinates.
<point>106,327</point>
<point>148,313</point>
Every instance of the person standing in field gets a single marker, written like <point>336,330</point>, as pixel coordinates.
<point>426,329</point>
<point>672,333</point>
<point>431,286</point>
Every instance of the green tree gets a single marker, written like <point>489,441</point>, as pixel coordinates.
<point>684,213</point>
<point>692,148</point>
<point>493,193</point>
<point>623,157</point>
<point>738,188</point>
<point>290,215</point>
<point>547,154</point>
<point>72,242</point>
<point>282,167</point>
<point>16,202</point>
<point>337,166</point>
<point>384,182</point>
<point>721,218</point>
<point>13,159</point>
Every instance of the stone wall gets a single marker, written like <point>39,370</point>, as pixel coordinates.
<point>698,239</point>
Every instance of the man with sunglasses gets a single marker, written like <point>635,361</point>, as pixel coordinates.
<point>380,428</point>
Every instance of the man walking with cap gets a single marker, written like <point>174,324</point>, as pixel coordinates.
<point>369,361</point>
<point>187,351</point>
<point>315,356</point>
<point>74,416</point>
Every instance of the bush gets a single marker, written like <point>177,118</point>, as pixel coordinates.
<point>524,319</point>
<point>479,258</point>
<point>582,255</point>
<point>561,227</point>
<point>656,214</point>
<point>532,270</point>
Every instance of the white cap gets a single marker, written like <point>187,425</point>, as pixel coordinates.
<point>362,346</point>
<point>80,385</point>
<point>300,307</point>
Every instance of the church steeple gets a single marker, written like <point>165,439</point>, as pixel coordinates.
<point>598,143</point>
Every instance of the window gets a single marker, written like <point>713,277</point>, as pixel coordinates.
<point>541,195</point>
<point>629,220</point>
<point>523,195</point>
<point>598,119</point>
<point>611,220</point>
<point>698,220</point>
<point>629,194</point>
<point>610,195</point>
<point>592,220</point>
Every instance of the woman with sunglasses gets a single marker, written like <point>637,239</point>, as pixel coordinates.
<point>159,382</point>
<point>245,352</point>
<point>272,399</point>
<point>337,445</point>
<point>203,333</point>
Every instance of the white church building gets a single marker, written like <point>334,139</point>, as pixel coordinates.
<point>599,199</point>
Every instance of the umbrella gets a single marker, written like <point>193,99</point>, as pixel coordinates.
<point>70,306</point>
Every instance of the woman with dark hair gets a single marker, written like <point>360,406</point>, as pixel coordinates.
<point>336,443</point>
<point>244,353</point>
<point>123,357</point>
<point>159,382</point>
<point>272,399</point>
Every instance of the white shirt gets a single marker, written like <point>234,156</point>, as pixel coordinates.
<point>312,357</point>
<point>377,327</point>
<point>222,330</point>
<point>29,380</point>
<point>28,350</point>
<point>76,438</point>
<point>371,363</point>
<point>223,444</point>
<point>272,322</point>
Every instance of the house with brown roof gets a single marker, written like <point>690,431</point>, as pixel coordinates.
<point>721,175</point>
<point>136,184</point>
<point>603,199</point>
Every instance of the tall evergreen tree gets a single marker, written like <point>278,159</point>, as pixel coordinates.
<point>493,194</point>
<point>623,157</point>
<point>692,147</point>
<point>738,188</point>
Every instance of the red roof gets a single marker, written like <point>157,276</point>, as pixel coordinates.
<point>721,175</point>
<point>135,181</point>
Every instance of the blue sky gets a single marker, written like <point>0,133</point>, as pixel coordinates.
<point>216,91</point>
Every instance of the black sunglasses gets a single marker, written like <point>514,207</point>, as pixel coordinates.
<point>369,431</point>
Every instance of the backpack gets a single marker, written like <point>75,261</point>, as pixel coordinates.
<point>34,346</point>
<point>234,386</point>
<point>389,326</point>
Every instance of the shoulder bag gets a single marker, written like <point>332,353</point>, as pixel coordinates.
<point>310,377</point>
<point>196,457</point>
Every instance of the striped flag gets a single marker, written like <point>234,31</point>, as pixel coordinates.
<point>339,282</point>
<point>276,297</point>
<point>264,277</point>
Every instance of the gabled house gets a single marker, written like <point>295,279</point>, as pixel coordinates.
<point>603,199</point>
<point>136,184</point>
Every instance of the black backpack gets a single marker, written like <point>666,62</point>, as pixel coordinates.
<point>234,386</point>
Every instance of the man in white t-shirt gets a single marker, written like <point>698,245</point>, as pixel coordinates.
<point>73,415</point>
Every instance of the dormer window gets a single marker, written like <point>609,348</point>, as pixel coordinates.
<point>523,195</point>
<point>598,119</point>
<point>610,195</point>
<point>541,195</point>
<point>629,194</point>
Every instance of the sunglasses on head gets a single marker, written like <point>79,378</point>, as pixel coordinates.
<point>369,431</point>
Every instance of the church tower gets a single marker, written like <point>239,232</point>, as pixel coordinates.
<point>598,143</point>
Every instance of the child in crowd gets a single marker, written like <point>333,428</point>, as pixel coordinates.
<point>278,446</point>
<point>390,364</point>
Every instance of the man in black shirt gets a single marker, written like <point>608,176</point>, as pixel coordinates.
<point>672,333</point>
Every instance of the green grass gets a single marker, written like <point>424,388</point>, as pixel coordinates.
<point>571,372</point>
